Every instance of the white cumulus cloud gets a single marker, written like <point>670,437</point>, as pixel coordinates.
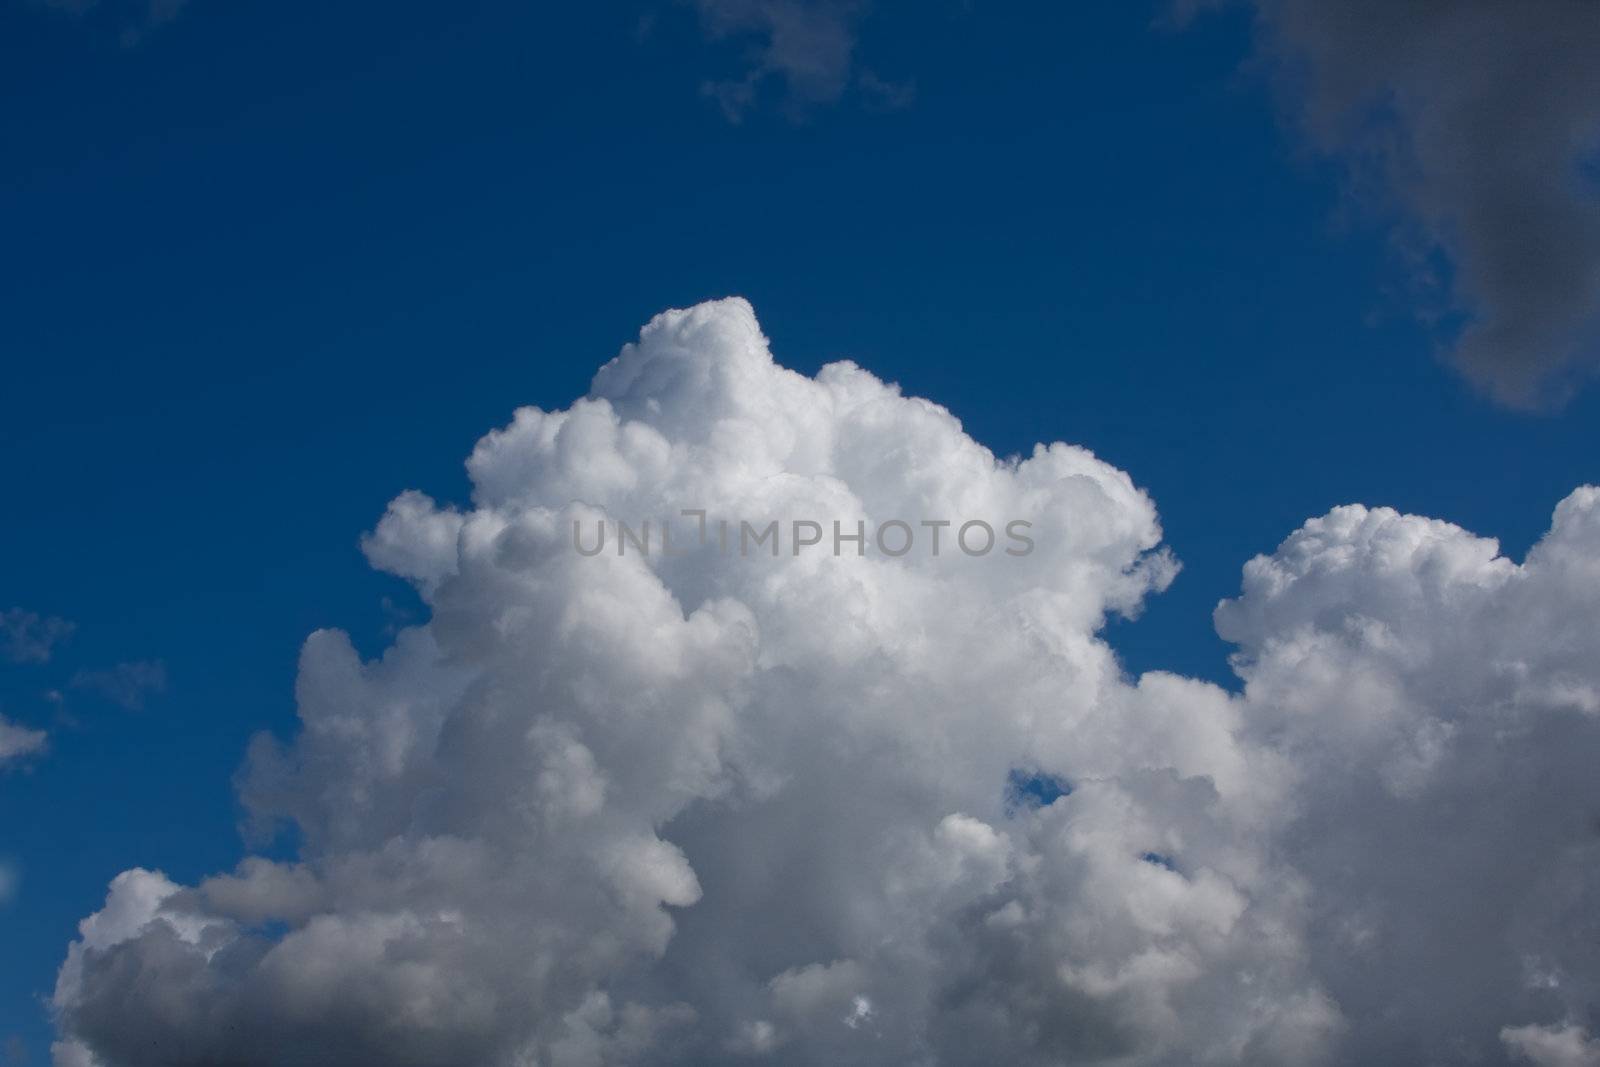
<point>709,808</point>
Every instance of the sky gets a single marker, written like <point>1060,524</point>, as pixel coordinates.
<point>266,267</point>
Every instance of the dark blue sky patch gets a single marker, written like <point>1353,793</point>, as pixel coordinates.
<point>1031,789</point>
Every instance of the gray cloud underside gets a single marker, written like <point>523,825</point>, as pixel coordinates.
<point>1477,125</point>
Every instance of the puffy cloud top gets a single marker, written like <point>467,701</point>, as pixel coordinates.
<point>712,806</point>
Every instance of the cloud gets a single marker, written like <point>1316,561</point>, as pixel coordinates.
<point>1553,1046</point>
<point>126,684</point>
<point>1477,125</point>
<point>17,742</point>
<point>715,808</point>
<point>137,18</point>
<point>26,637</point>
<point>808,46</point>
<point>9,878</point>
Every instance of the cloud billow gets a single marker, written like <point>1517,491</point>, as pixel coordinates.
<point>719,809</point>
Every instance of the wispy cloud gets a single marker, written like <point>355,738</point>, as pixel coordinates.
<point>806,47</point>
<point>17,741</point>
<point>27,637</point>
<point>135,19</point>
<point>126,684</point>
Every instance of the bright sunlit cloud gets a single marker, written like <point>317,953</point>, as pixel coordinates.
<point>711,807</point>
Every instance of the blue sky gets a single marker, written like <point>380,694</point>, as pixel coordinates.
<point>270,265</point>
